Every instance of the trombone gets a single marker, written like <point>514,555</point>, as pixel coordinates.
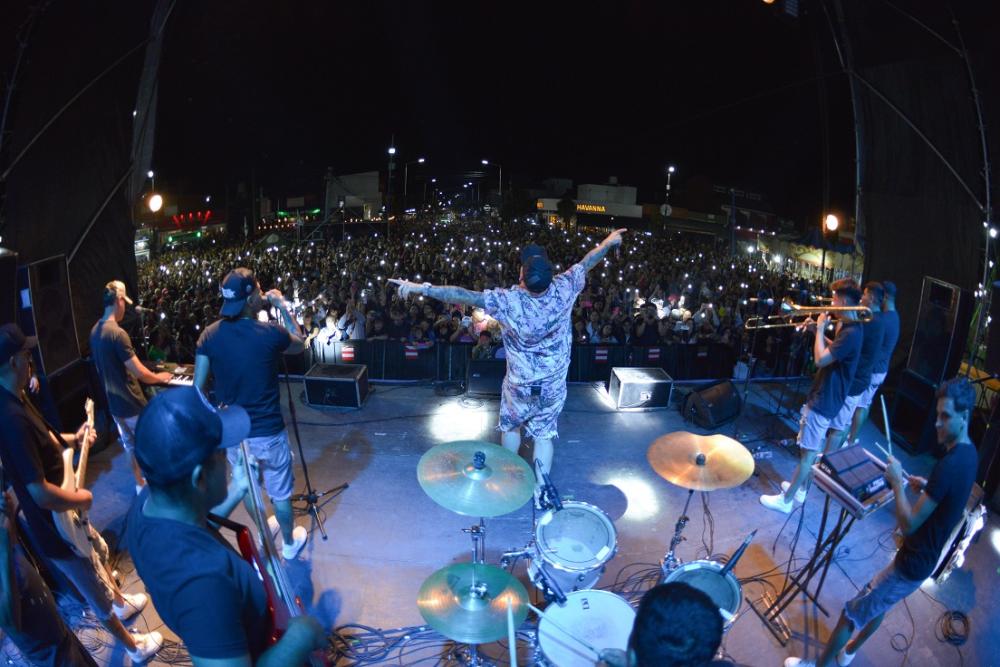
<point>794,315</point>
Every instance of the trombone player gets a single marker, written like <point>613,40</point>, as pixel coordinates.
<point>837,361</point>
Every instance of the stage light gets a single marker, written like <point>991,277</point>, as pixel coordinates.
<point>155,202</point>
<point>831,222</point>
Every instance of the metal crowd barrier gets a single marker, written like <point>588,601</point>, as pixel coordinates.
<point>398,361</point>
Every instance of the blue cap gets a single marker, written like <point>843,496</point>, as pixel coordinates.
<point>537,273</point>
<point>236,288</point>
<point>180,429</point>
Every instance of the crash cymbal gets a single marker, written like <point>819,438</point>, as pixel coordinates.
<point>700,462</point>
<point>467,602</point>
<point>475,478</point>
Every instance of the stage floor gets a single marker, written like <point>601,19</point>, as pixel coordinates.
<point>386,536</point>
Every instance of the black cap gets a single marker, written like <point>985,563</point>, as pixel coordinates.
<point>12,341</point>
<point>532,250</point>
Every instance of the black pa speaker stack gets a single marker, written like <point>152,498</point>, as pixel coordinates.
<point>713,406</point>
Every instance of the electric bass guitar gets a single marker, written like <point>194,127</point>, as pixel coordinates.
<point>73,525</point>
<point>282,603</point>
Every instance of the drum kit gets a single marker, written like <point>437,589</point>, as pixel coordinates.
<point>475,603</point>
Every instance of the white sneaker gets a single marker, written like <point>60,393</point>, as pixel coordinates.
<point>799,662</point>
<point>139,488</point>
<point>299,536</point>
<point>777,502</point>
<point>146,646</point>
<point>800,495</point>
<point>844,658</point>
<point>134,603</point>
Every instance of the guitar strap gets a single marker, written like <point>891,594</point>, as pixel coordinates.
<point>30,407</point>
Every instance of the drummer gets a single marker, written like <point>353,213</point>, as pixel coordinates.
<point>534,318</point>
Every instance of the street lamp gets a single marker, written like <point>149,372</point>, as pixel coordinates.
<point>670,172</point>
<point>155,202</point>
<point>830,223</point>
<point>406,175</point>
<point>486,163</point>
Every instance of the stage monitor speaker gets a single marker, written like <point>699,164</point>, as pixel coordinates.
<point>45,309</point>
<point>993,332</point>
<point>640,388</point>
<point>485,377</point>
<point>713,406</point>
<point>8,286</point>
<point>913,413</point>
<point>940,332</point>
<point>337,385</point>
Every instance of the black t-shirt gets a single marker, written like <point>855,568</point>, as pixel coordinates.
<point>890,321</point>
<point>396,331</point>
<point>111,347</point>
<point>650,334</point>
<point>202,588</point>
<point>29,455</point>
<point>244,356</point>
<point>949,485</point>
<point>829,388</point>
<point>871,344</point>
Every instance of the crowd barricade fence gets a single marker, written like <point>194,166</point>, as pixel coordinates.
<point>394,360</point>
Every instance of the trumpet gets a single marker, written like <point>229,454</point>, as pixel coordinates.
<point>794,315</point>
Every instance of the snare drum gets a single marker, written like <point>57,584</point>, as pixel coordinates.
<point>574,545</point>
<point>600,618</point>
<point>705,575</point>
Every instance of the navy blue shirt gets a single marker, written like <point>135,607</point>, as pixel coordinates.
<point>890,321</point>
<point>871,344</point>
<point>245,356</point>
<point>949,486</point>
<point>111,347</point>
<point>202,588</point>
<point>29,455</point>
<point>829,388</point>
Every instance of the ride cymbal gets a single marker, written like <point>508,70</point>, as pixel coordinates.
<point>475,478</point>
<point>700,462</point>
<point>467,602</point>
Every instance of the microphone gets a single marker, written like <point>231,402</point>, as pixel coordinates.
<point>548,488</point>
<point>142,310</point>
<point>739,554</point>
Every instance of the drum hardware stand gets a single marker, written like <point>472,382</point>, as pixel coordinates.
<point>769,610</point>
<point>478,535</point>
<point>468,654</point>
<point>670,561</point>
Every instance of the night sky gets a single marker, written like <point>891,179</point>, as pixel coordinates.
<point>721,88</point>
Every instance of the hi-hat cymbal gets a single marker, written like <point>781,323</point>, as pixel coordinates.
<point>467,602</point>
<point>457,478</point>
<point>700,462</point>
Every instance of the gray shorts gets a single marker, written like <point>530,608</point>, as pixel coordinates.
<point>812,430</point>
<point>126,431</point>
<point>884,590</point>
<point>274,460</point>
<point>843,419</point>
<point>868,395</point>
<point>536,409</point>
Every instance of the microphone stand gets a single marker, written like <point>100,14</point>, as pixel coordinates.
<point>311,497</point>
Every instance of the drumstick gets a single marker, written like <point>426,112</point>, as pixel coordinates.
<point>511,638</point>
<point>889,454</point>
<point>564,630</point>
<point>885,417</point>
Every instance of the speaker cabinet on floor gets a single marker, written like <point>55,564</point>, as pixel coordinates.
<point>336,385</point>
<point>713,406</point>
<point>913,413</point>
<point>45,308</point>
<point>941,331</point>
<point>485,377</point>
<point>640,388</point>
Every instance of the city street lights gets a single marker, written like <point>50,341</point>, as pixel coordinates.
<point>388,185</point>
<point>155,202</point>
<point>670,172</point>
<point>486,163</point>
<point>830,223</point>
<point>406,175</point>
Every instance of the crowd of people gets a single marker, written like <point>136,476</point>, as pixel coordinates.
<point>660,290</point>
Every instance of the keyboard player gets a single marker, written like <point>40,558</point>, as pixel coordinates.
<point>121,371</point>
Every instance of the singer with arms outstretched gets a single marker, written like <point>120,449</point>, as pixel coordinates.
<point>535,325</point>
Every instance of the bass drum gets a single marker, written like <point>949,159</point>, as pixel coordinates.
<point>600,618</point>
